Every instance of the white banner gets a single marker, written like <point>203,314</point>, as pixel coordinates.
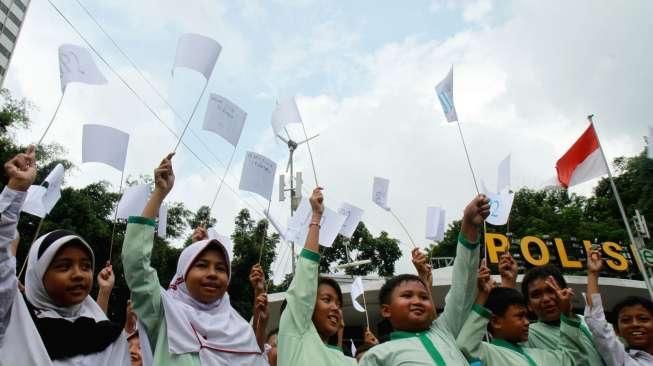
<point>197,52</point>
<point>329,225</point>
<point>435,223</point>
<point>500,206</point>
<point>133,201</point>
<point>103,144</point>
<point>357,290</point>
<point>41,200</point>
<point>353,215</point>
<point>380,192</point>
<point>224,118</point>
<point>444,91</point>
<point>258,175</point>
<point>285,113</point>
<point>77,65</point>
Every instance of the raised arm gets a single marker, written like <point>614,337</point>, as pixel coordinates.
<point>470,339</point>
<point>105,279</point>
<point>424,271</point>
<point>605,339</point>
<point>141,278</point>
<point>460,297</point>
<point>260,310</point>
<point>21,171</point>
<point>508,270</point>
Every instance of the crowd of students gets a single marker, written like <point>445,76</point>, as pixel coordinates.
<point>52,320</point>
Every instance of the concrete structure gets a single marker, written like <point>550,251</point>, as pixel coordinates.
<point>12,16</point>
<point>612,289</point>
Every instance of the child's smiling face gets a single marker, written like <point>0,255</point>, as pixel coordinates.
<point>410,308</point>
<point>69,277</point>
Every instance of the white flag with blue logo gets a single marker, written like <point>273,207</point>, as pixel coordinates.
<point>444,91</point>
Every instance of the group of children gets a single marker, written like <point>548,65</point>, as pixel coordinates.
<point>54,321</point>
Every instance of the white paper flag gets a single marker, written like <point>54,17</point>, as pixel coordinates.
<point>285,113</point>
<point>133,201</point>
<point>258,175</point>
<point>33,203</point>
<point>650,142</point>
<point>353,348</point>
<point>298,224</point>
<point>354,215</point>
<point>224,118</point>
<point>197,52</point>
<point>162,228</point>
<point>357,290</point>
<point>380,192</point>
<point>444,90</point>
<point>500,206</point>
<point>435,223</point>
<point>103,144</point>
<point>503,174</point>
<point>77,65</point>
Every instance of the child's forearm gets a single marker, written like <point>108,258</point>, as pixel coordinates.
<point>151,209</point>
<point>103,299</point>
<point>313,237</point>
<point>592,286</point>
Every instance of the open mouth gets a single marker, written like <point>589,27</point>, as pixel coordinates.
<point>637,333</point>
<point>77,289</point>
<point>334,319</point>
<point>209,286</point>
<point>417,311</point>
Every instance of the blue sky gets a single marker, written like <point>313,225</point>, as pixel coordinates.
<point>526,75</point>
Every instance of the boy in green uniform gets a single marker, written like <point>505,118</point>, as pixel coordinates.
<point>506,314</point>
<point>543,302</point>
<point>313,311</point>
<point>405,300</point>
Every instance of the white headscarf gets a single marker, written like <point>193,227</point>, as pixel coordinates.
<point>38,261</point>
<point>215,330</point>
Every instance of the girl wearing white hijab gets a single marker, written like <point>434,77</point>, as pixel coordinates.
<point>192,322</point>
<point>57,323</point>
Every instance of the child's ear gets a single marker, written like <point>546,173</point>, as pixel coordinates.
<point>495,322</point>
<point>385,311</point>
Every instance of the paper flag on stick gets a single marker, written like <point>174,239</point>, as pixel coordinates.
<point>34,201</point>
<point>41,200</point>
<point>435,223</point>
<point>357,289</point>
<point>380,192</point>
<point>77,65</point>
<point>162,227</point>
<point>298,225</point>
<point>197,52</point>
<point>353,215</point>
<point>224,118</point>
<point>444,90</point>
<point>103,144</point>
<point>583,161</point>
<point>503,174</point>
<point>133,201</point>
<point>500,206</point>
<point>258,175</point>
<point>285,113</point>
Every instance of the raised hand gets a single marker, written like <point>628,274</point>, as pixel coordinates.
<point>106,278</point>
<point>261,308</point>
<point>594,261</point>
<point>369,337</point>
<point>317,201</point>
<point>477,211</point>
<point>484,281</point>
<point>508,270</point>
<point>257,278</point>
<point>164,176</point>
<point>21,170</point>
<point>200,233</point>
<point>420,261</point>
<point>564,295</point>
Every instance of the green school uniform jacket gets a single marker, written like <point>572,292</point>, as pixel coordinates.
<point>569,350</point>
<point>298,340</point>
<point>545,336</point>
<point>437,345</point>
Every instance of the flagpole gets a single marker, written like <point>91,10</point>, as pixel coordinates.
<point>621,210</point>
<point>365,304</point>
<point>181,136</point>
<point>36,236</point>
<point>115,217</point>
<point>403,227</point>
<point>224,175</point>
<point>56,110</point>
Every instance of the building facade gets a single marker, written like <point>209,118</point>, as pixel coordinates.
<point>12,16</point>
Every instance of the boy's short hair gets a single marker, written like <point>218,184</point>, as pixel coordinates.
<point>628,302</point>
<point>542,272</point>
<point>386,290</point>
<point>331,282</point>
<point>501,298</point>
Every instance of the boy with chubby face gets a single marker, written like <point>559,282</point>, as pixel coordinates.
<point>420,337</point>
<point>634,323</point>
<point>502,311</point>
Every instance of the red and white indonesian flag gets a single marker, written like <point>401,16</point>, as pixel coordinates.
<point>583,161</point>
